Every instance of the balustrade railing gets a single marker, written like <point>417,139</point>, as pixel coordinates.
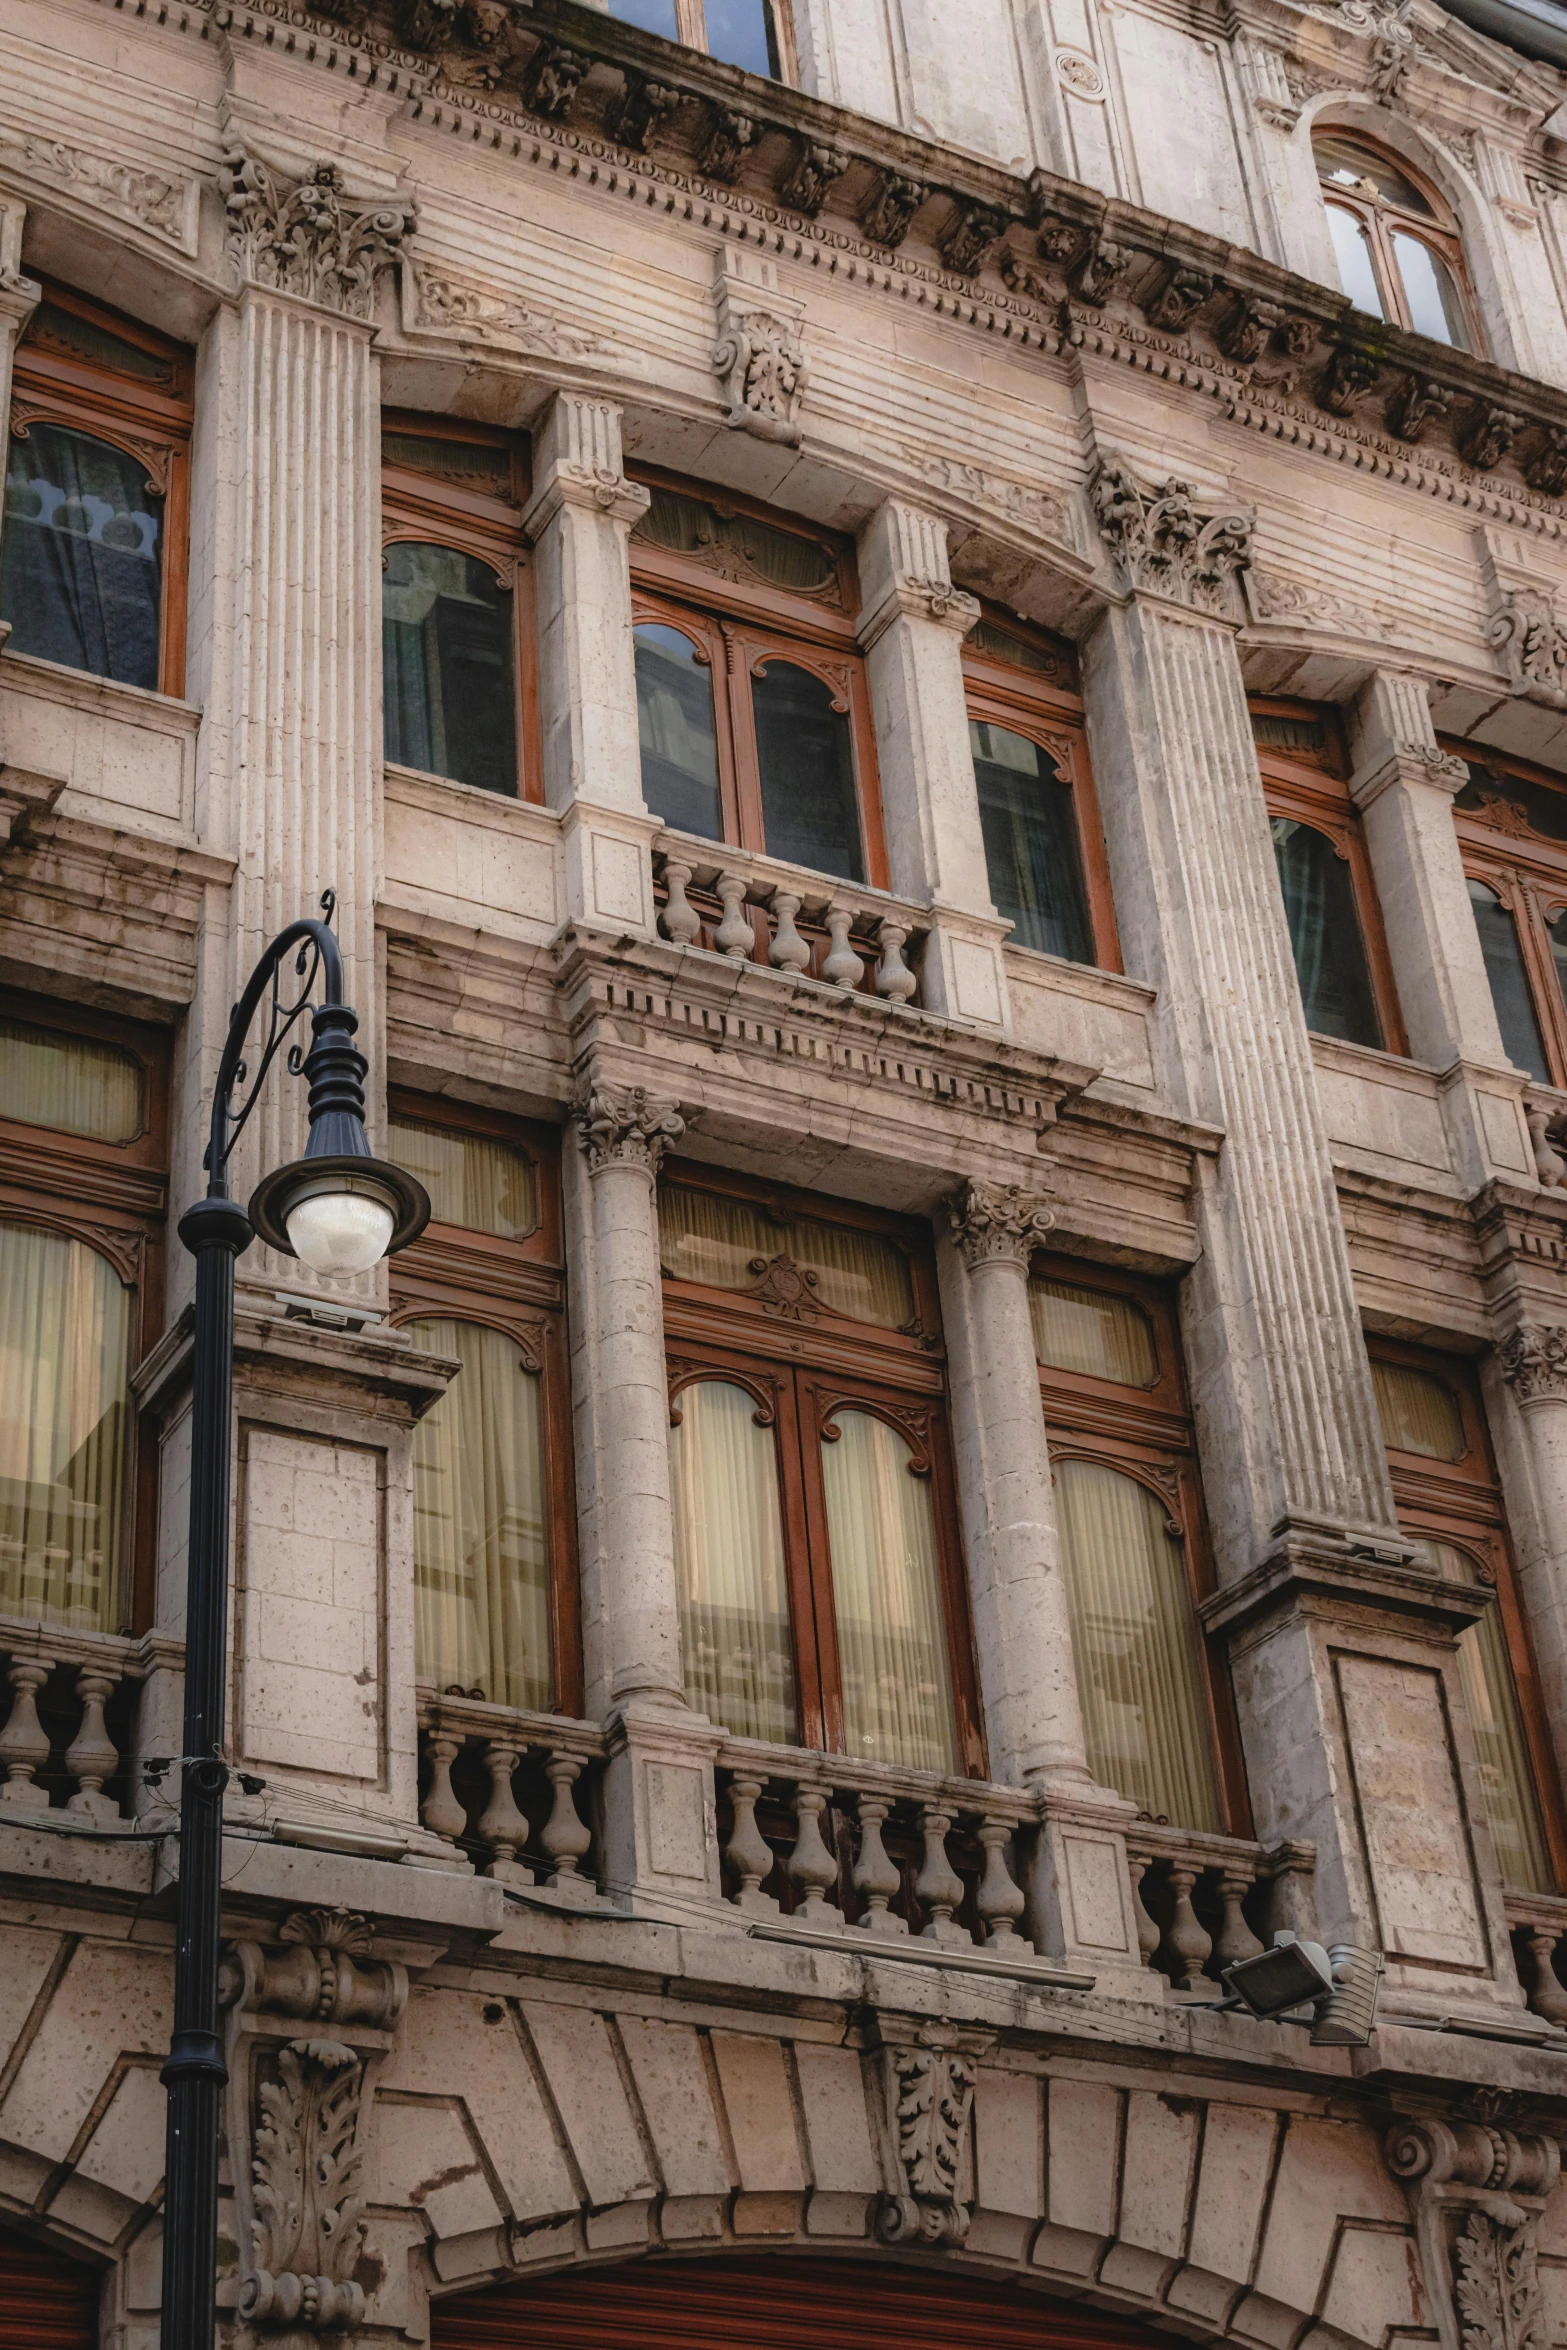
<point>743,907</point>
<point>66,1738</point>
<point>514,1791</point>
<point>1539,1933</point>
<point>1205,1902</point>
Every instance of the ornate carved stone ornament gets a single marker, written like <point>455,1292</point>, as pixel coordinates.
<point>1523,629</point>
<point>469,311</point>
<point>999,1223</point>
<point>1533,1361</point>
<point>969,234</point>
<point>1415,404</point>
<point>309,237</point>
<point>625,1125</point>
<point>298,2114</point>
<point>890,207</point>
<point>1180,296</point>
<point>1477,2192</point>
<point>1270,596</point>
<point>930,2104</point>
<point>639,108</point>
<point>730,138</point>
<point>815,172</point>
<point>150,200</point>
<point>1165,542</point>
<point>759,357</point>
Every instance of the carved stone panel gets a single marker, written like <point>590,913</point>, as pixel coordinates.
<point>1411,1814</point>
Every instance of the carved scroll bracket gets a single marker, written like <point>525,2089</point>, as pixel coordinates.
<point>310,2020</point>
<point>758,353</point>
<point>1525,629</point>
<point>929,2083</point>
<point>1477,2191</point>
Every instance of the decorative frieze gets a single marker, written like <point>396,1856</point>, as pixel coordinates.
<point>309,237</point>
<point>1168,544</point>
<point>153,201</point>
<point>759,356</point>
<point>625,1125</point>
<point>1533,1361</point>
<point>999,1223</point>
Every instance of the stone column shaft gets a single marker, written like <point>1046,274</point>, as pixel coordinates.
<point>1532,1363</point>
<point>19,298</point>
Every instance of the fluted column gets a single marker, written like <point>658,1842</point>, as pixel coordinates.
<point>1532,1362</point>
<point>580,519</point>
<point>912,635</point>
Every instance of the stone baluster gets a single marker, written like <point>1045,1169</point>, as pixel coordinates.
<point>789,951</point>
<point>938,1887</point>
<point>24,1742</point>
<point>876,1873</point>
<point>1149,1931</point>
<point>844,965</point>
<point>748,1852</point>
<point>1235,1938</point>
<point>1187,1944</point>
<point>440,1811</point>
<point>502,1826</point>
<point>1292,1904</point>
<point>92,1755</point>
<point>1000,1900</point>
<point>1537,1946</point>
<point>811,1864</point>
<point>682,922</point>
<point>734,934</point>
<point>566,1837</point>
<point>894,979</point>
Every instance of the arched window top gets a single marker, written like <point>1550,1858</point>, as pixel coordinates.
<point>1395,239</point>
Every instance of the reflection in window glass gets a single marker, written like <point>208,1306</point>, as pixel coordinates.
<point>1091,1333</point>
<point>1031,846</point>
<point>741,33</point>
<point>654,16</point>
<point>65,1327</point>
<point>1418,1413</point>
<point>1324,928</point>
<point>1504,969</point>
<point>70,1083</point>
<point>1353,166</point>
<point>81,555</point>
<point>809,812</point>
<point>731,1243</point>
<point>472,1179</point>
<point>676,733</point>
<point>446,651</point>
<point>1434,307</point>
<point>1491,1700</point>
<point>1135,1646</point>
<point>892,1642</point>
<point>729,1559</point>
<point>1352,252</point>
<point>1558,937</point>
<point>481,1551</point>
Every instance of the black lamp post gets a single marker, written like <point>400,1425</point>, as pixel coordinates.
<point>339,1211</point>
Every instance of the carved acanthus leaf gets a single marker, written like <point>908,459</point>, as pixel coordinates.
<point>994,1222</point>
<point>1533,1361</point>
<point>932,2096</point>
<point>625,1124</point>
<point>1168,543</point>
<point>484,314</point>
<point>1531,644</point>
<point>153,201</point>
<point>309,237</point>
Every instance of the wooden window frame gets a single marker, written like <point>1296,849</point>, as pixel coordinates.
<point>1379,217</point>
<point>53,386</point>
<point>691,32</point>
<point>1460,1503</point>
<point>738,626</point>
<point>1313,789</point>
<point>801,1371</point>
<point>517,1287</point>
<point>423,509</point>
<point>113,1197</point>
<point>1146,1433</point>
<point>1048,711</point>
<point>1528,872</point>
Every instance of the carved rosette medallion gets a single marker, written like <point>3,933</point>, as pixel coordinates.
<point>1477,2191</point>
<point>625,1125</point>
<point>309,237</point>
<point>996,1223</point>
<point>1534,1362</point>
<point>1166,541</point>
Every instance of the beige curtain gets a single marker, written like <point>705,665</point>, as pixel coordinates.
<point>1418,1413</point>
<point>472,1180</point>
<point>481,1546</point>
<point>714,1240</point>
<point>1135,1646</point>
<point>729,1557</point>
<point>1096,1336</point>
<point>1491,1695</point>
<point>65,1327</point>
<point>68,1082</point>
<point>892,1643</point>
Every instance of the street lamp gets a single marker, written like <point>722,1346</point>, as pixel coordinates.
<point>339,1210</point>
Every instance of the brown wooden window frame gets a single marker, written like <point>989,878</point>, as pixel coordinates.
<point>738,626</point>
<point>113,1197</point>
<point>1047,709</point>
<point>1381,216</point>
<point>1147,1434</point>
<point>1528,872</point>
<point>691,33</point>
<point>1460,1503</point>
<point>516,1287</point>
<point>801,1371</point>
<point>1312,787</point>
<point>423,509</point>
<point>51,385</point>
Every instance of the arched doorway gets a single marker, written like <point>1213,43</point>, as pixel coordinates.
<point>46,2301</point>
<point>782,2303</point>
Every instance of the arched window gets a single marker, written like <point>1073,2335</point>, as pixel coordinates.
<point>1396,243</point>
<point>456,615</point>
<point>1044,850</point>
<point>494,1606</point>
<point>1512,829</point>
<point>93,549</point>
<point>1156,1710</point>
<point>756,35</point>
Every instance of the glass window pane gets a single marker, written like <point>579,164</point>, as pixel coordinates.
<point>1515,1014</point>
<point>736,1243</point>
<point>481,1540</point>
<point>1558,937</point>
<point>654,16</point>
<point>1434,307</point>
<point>892,1641</point>
<point>1356,270</point>
<point>1354,166</point>
<point>803,747</point>
<point>1135,1646</point>
<point>676,732</point>
<point>1031,846</point>
<point>741,33</point>
<point>1418,1413</point>
<point>446,657</point>
<point>65,1329</point>
<point>729,1558</point>
<point>738,546</point>
<point>1098,1336</point>
<point>1491,1696</point>
<point>81,556</point>
<point>1324,927</point>
<point>472,1180</point>
<point>999,644</point>
<point>69,1083</point>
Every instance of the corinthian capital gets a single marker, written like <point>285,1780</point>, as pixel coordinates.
<point>625,1125</point>
<point>997,1223</point>
<point>1165,539</point>
<point>1534,1362</point>
<point>309,237</point>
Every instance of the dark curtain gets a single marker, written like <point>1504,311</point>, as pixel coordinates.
<point>803,749</point>
<point>1031,844</point>
<point>1324,927</point>
<point>449,702</point>
<point>81,556</point>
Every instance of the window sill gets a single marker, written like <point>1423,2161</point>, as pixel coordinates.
<point>106,697</point>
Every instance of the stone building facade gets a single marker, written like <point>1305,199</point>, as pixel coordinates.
<point>942,770</point>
